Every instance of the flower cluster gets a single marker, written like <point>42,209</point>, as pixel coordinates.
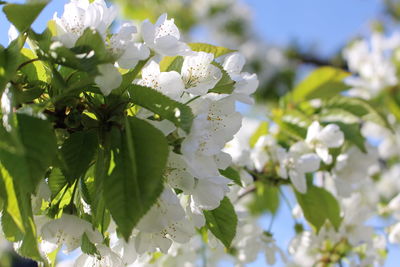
<point>192,179</point>
<point>137,155</point>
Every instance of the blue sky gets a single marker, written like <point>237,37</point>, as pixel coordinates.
<point>323,25</point>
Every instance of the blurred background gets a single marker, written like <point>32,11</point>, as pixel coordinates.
<point>282,40</point>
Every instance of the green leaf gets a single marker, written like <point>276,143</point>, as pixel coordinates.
<point>293,130</point>
<point>57,181</point>
<point>222,222</point>
<point>171,64</point>
<point>14,220</point>
<point>92,40</point>
<point>319,205</point>
<point>322,83</point>
<point>231,174</point>
<point>338,115</point>
<point>135,183</point>
<point>266,198</point>
<point>9,61</point>
<point>88,247</point>
<point>39,144</point>
<point>34,70</point>
<point>11,231</point>
<point>128,77</point>
<point>292,124</point>
<point>29,246</point>
<point>208,48</point>
<point>23,15</point>
<point>261,130</point>
<point>225,85</point>
<point>52,257</point>
<point>19,212</point>
<point>29,92</point>
<point>358,107</point>
<point>179,114</point>
<point>78,152</point>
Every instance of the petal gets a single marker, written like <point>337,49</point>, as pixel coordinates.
<point>323,153</point>
<point>170,46</point>
<point>223,160</point>
<point>161,19</point>
<point>308,163</point>
<point>12,33</point>
<point>148,33</point>
<point>207,194</point>
<point>298,180</point>
<point>299,148</point>
<point>313,131</point>
<point>247,84</point>
<point>234,63</point>
<point>394,235</point>
<point>109,78</point>
<point>171,84</point>
<point>152,69</point>
<point>331,136</point>
<point>162,243</point>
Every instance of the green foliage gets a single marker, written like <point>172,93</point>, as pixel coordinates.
<point>232,174</point>
<point>265,199</point>
<point>11,230</point>
<point>23,15</point>
<point>78,152</point>
<point>217,51</point>
<point>92,41</point>
<point>34,71</point>
<point>261,130</point>
<point>352,134</point>
<point>127,78</point>
<point>9,61</point>
<point>12,220</point>
<point>222,222</point>
<point>225,85</point>
<point>318,206</point>
<point>292,123</point>
<point>39,144</point>
<point>322,83</point>
<point>357,107</point>
<point>57,181</point>
<point>171,64</point>
<point>179,114</point>
<point>135,183</point>
<point>19,219</point>
<point>88,247</point>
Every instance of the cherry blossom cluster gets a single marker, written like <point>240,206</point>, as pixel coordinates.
<point>361,177</point>
<point>365,183</point>
<point>193,171</point>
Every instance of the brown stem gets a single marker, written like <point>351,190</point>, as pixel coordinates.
<point>27,62</point>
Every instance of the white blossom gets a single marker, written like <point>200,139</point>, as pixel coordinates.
<point>79,15</point>
<point>12,33</point>
<point>68,231</point>
<point>109,78</point>
<point>322,138</point>
<point>164,37</point>
<point>246,83</point>
<point>373,63</point>
<point>128,51</point>
<point>295,163</point>
<point>394,234</point>
<point>199,74</point>
<point>106,258</point>
<point>168,83</point>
